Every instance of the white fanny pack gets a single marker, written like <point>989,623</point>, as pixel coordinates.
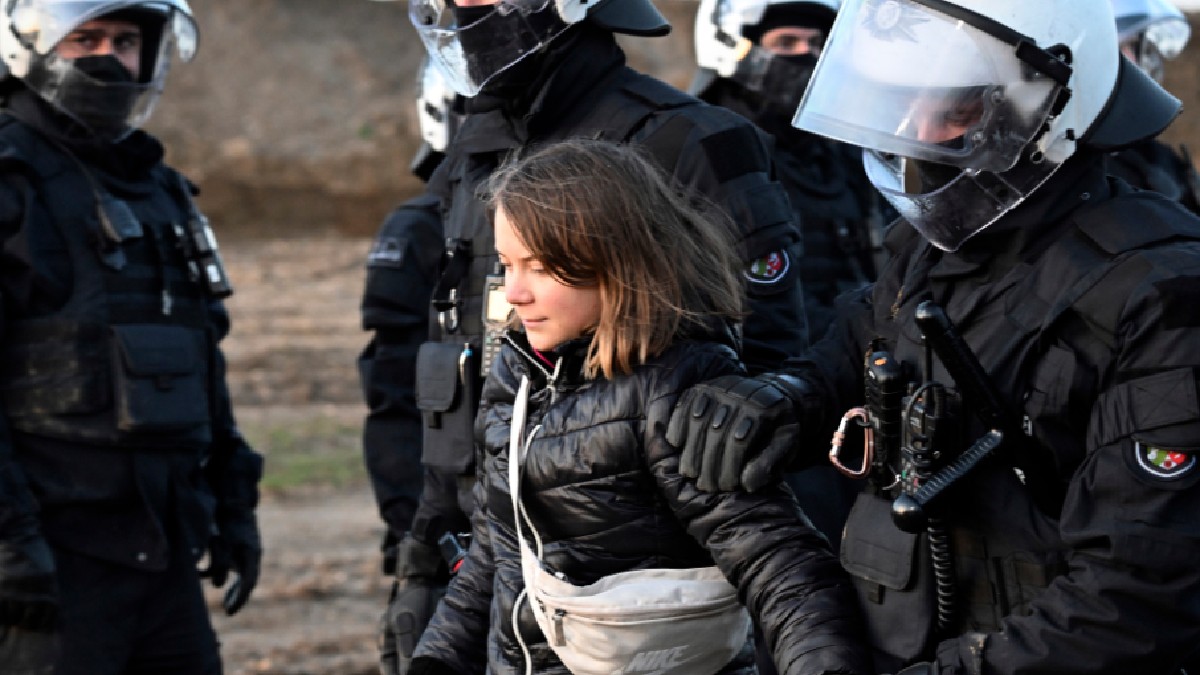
<point>663,621</point>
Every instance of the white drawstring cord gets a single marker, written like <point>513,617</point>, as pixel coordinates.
<point>516,610</point>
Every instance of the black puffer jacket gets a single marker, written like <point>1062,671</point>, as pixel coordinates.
<point>603,489</point>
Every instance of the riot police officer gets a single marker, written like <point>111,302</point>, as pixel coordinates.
<point>1024,367</point>
<point>534,72</point>
<point>121,462</point>
<point>755,57</point>
<point>1150,33</point>
<point>401,269</point>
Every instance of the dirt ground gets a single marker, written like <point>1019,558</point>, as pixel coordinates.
<point>291,361</point>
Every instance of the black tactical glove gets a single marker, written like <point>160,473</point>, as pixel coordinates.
<point>420,584</point>
<point>235,546</point>
<point>28,606</point>
<point>735,432</point>
<point>960,656</point>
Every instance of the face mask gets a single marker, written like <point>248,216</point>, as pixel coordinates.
<point>465,16</point>
<point>100,93</point>
<point>480,41</point>
<point>778,82</point>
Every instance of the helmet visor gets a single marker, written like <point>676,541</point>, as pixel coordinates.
<point>469,56</point>
<point>42,24</point>
<point>960,205</point>
<point>904,79</point>
<point>110,106</point>
<point>1162,22</point>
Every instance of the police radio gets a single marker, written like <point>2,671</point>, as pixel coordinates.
<point>203,257</point>
<point>199,245</point>
<point>497,314</point>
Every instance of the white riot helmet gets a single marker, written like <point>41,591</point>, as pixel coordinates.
<point>434,101</point>
<point>110,107</point>
<point>436,119</point>
<point>966,108</point>
<point>720,36</point>
<point>1150,31</point>
<point>727,37</point>
<point>472,45</point>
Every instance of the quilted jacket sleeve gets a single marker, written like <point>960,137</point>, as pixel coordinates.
<point>782,567</point>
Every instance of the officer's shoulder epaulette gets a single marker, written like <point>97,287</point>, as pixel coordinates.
<point>656,93</point>
<point>1137,220</point>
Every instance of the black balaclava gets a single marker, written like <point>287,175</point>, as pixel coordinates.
<point>775,84</point>
<point>98,92</point>
<point>518,78</point>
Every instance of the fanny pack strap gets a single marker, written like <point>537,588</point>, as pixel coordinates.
<point>516,455</point>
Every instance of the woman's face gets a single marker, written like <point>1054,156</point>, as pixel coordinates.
<point>551,311</point>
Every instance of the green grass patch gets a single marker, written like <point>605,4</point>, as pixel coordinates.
<point>310,452</point>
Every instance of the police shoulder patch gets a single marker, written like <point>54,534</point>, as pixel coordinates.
<point>386,251</point>
<point>1161,463</point>
<point>769,269</point>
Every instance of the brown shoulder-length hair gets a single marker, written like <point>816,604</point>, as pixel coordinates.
<point>596,213</point>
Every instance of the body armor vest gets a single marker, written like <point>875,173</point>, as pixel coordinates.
<point>1044,333</point>
<point>125,361</point>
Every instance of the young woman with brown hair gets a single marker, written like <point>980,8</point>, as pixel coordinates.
<point>625,293</point>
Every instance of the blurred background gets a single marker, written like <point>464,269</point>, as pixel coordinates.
<point>297,120</point>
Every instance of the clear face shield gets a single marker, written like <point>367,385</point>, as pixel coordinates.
<point>945,109</point>
<point>1150,32</point>
<point>471,48</point>
<point>109,101</point>
<point>434,108</point>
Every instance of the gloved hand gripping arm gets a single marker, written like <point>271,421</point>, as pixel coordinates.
<point>739,432</point>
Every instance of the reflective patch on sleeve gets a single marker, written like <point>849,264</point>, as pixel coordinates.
<point>387,252</point>
<point>769,269</point>
<point>1162,463</point>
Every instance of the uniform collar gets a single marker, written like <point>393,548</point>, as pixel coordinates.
<point>123,167</point>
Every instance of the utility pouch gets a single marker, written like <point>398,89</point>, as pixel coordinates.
<point>159,378</point>
<point>892,574</point>
<point>447,395</point>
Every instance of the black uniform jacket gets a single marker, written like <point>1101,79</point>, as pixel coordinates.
<point>1154,165</point>
<point>839,212</point>
<point>603,489</point>
<point>1106,580</point>
<point>127,505</point>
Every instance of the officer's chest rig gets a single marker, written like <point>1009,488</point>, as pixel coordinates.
<point>126,360</point>
<point>469,312</point>
<point>957,528</point>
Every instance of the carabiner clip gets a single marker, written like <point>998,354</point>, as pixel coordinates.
<point>835,449</point>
